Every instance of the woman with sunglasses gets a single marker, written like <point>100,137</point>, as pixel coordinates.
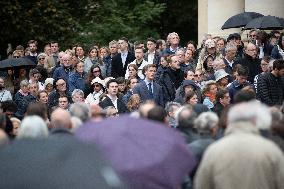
<point>98,90</point>
<point>94,72</point>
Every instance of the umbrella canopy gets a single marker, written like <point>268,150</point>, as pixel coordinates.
<point>148,154</point>
<point>266,22</point>
<point>55,163</point>
<point>16,63</point>
<point>240,20</point>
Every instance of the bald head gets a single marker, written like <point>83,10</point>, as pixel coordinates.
<point>251,50</point>
<point>60,118</point>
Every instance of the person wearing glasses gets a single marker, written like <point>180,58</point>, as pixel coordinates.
<point>41,59</point>
<point>98,91</point>
<point>251,61</point>
<point>60,89</point>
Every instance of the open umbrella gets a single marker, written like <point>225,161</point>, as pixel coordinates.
<point>240,20</point>
<point>16,63</point>
<point>266,22</point>
<point>148,154</point>
<point>57,163</point>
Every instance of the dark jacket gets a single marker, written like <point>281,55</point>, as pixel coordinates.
<point>234,87</point>
<point>142,90</point>
<point>275,53</point>
<point>76,81</point>
<point>170,80</point>
<point>270,89</point>
<point>180,94</point>
<point>53,99</point>
<point>253,66</point>
<point>120,105</point>
<point>22,103</point>
<point>62,72</point>
<point>117,68</point>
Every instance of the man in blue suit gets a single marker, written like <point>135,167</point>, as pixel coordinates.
<point>148,89</point>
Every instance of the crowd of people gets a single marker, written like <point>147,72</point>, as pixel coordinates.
<point>226,95</point>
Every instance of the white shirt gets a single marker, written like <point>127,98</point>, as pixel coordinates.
<point>5,95</point>
<point>151,57</point>
<point>140,74</point>
<point>230,63</point>
<point>114,101</point>
<point>93,98</point>
<point>123,57</point>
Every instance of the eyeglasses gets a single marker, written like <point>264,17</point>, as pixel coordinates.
<point>41,58</point>
<point>16,57</point>
<point>98,85</point>
<point>198,75</point>
<point>252,35</point>
<point>61,84</point>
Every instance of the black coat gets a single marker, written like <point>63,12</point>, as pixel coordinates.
<point>120,105</point>
<point>169,80</point>
<point>270,89</point>
<point>117,68</point>
<point>253,66</point>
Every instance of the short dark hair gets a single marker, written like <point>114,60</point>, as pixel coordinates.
<point>31,42</point>
<point>110,81</point>
<point>244,96</point>
<point>157,114</point>
<point>9,105</point>
<point>120,80</point>
<point>221,94</point>
<point>152,40</point>
<point>193,43</point>
<point>37,108</point>
<point>278,64</point>
<point>243,71</point>
<point>124,39</point>
<point>149,66</point>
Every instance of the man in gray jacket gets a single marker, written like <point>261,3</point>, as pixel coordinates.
<point>243,158</point>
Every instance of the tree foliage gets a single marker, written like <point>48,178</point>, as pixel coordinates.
<point>93,21</point>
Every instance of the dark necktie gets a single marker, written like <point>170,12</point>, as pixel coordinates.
<point>150,90</point>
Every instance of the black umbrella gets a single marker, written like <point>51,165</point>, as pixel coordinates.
<point>57,163</point>
<point>240,20</point>
<point>266,22</point>
<point>16,63</point>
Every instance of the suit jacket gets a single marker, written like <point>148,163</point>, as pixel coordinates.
<point>142,90</point>
<point>117,68</point>
<point>120,105</point>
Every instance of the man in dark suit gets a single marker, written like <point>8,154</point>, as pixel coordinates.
<point>148,89</point>
<point>152,56</point>
<point>251,61</point>
<point>120,61</point>
<point>111,98</point>
<point>230,55</point>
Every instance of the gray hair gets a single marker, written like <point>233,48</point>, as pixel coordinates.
<point>205,122</point>
<point>24,83</point>
<point>76,123</point>
<point>80,110</point>
<point>170,106</point>
<point>33,127</point>
<point>170,35</point>
<point>185,116</point>
<point>230,47</point>
<point>77,91</point>
<point>253,111</point>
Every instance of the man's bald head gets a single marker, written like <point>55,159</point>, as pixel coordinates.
<point>61,118</point>
<point>251,50</point>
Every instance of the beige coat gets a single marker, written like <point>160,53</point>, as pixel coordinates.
<point>241,160</point>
